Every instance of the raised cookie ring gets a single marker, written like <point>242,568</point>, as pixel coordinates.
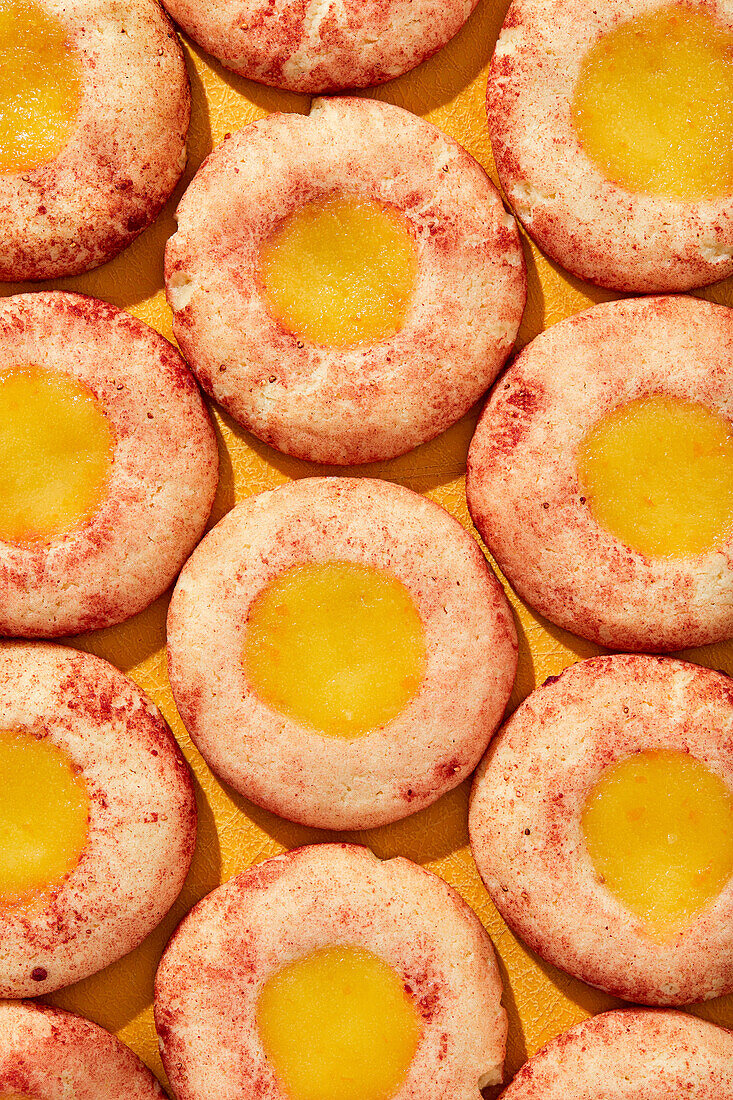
<point>125,149</point>
<point>597,229</point>
<point>346,404</point>
<point>213,971</point>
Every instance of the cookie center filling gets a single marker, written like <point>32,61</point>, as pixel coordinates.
<point>657,473</point>
<point>338,1025</point>
<point>340,272</point>
<point>653,105</point>
<point>40,86</point>
<point>659,829</point>
<point>44,815</point>
<point>336,646</point>
<point>55,455</point>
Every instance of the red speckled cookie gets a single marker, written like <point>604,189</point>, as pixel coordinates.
<point>524,489</point>
<point>355,404</point>
<point>594,227</point>
<point>631,1054</point>
<point>321,47</point>
<point>214,968</point>
<point>162,479</point>
<point>528,841</point>
<point>48,1054</point>
<point>141,826</point>
<point>125,153</point>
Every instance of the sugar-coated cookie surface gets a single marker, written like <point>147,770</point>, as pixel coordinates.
<point>527,838</point>
<point>397,768</point>
<point>214,968</point>
<point>142,817</point>
<point>631,1054</point>
<point>125,153</point>
<point>597,229</point>
<point>523,485</point>
<point>312,47</point>
<point>351,404</point>
<point>54,1055</point>
<point>163,475</point>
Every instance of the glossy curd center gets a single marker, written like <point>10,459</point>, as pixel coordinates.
<point>340,272</point>
<point>657,473</point>
<point>338,1025</point>
<point>653,105</point>
<point>337,646</point>
<point>40,86</point>
<point>55,454</point>
<point>44,815</point>
<point>659,829</point>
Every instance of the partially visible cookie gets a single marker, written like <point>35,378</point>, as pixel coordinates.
<point>49,1054</point>
<point>209,985</point>
<point>110,145</point>
<point>461,309</point>
<point>98,817</point>
<point>321,48</point>
<point>147,444</point>
<point>631,1054</point>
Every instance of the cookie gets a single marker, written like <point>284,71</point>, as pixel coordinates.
<point>634,752</point>
<point>109,466</point>
<point>304,49</point>
<point>98,820</point>
<point>96,106</point>
<point>551,464</point>
<point>631,1054</point>
<point>53,1054</point>
<point>392,703</point>
<point>209,1003</point>
<point>455,250</point>
<point>614,205</point>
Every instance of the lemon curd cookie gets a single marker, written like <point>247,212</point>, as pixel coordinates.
<point>601,821</point>
<point>631,1054</point>
<point>326,974</point>
<point>47,1054</point>
<point>321,47</point>
<point>108,464</point>
<point>601,473</point>
<point>94,110</point>
<point>97,819</point>
<point>356,298</point>
<point>612,127</point>
<point>340,652</point>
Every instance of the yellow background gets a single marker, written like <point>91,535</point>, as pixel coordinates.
<point>541,1001</point>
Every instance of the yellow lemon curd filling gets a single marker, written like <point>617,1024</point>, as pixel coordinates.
<point>40,86</point>
<point>338,1025</point>
<point>44,816</point>
<point>657,473</point>
<point>340,272</point>
<point>55,455</point>
<point>336,646</point>
<point>653,105</point>
<point>659,829</point>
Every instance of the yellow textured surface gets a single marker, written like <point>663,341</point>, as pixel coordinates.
<point>541,1001</point>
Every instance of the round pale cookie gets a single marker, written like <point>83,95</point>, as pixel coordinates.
<point>438,736</point>
<point>631,1054</point>
<point>126,149</point>
<point>311,48</point>
<point>597,229</point>
<point>524,490</point>
<point>527,836</point>
<point>163,474</point>
<point>214,968</point>
<point>48,1054</point>
<point>353,404</point>
<point>141,829</point>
